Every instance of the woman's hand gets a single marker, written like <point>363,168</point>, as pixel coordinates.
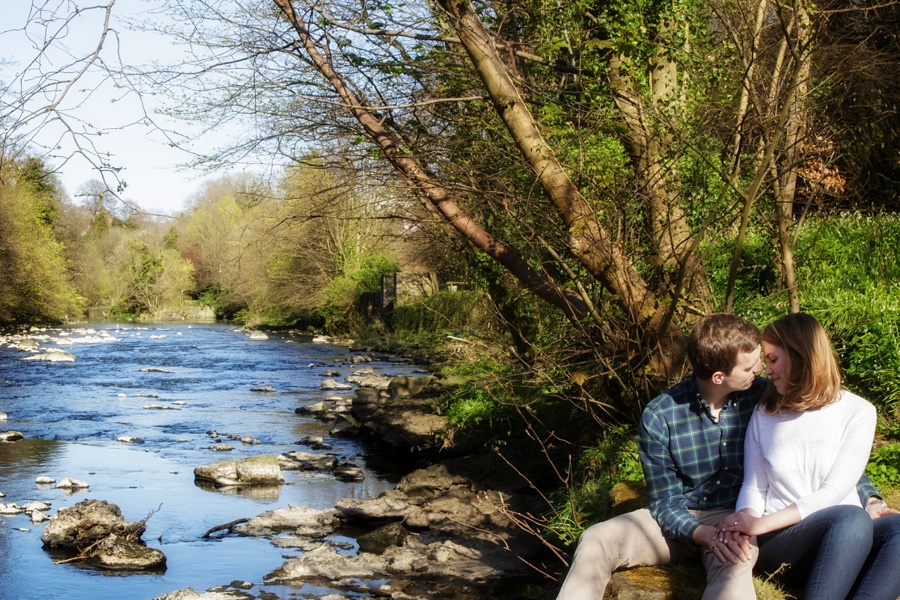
<point>733,548</point>
<point>740,522</point>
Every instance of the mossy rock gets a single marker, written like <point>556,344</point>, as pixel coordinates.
<point>672,582</point>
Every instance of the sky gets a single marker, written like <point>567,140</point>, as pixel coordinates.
<point>157,179</point>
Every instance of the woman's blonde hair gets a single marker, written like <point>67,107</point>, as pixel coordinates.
<point>814,378</point>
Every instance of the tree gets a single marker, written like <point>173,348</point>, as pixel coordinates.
<point>34,281</point>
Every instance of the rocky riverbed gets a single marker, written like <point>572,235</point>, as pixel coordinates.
<point>446,531</point>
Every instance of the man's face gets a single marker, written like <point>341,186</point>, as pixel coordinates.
<point>742,375</point>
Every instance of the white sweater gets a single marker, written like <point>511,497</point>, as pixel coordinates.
<point>813,458</point>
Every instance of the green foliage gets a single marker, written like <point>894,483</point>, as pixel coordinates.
<point>884,467</point>
<point>339,309</point>
<point>442,313</point>
<point>612,460</point>
<point>35,284</point>
<point>473,409</point>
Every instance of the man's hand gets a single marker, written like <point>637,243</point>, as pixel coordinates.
<point>877,508</point>
<point>733,547</point>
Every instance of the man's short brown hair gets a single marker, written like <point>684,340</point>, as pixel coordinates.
<point>717,339</point>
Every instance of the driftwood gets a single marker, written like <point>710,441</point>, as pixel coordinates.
<point>224,526</point>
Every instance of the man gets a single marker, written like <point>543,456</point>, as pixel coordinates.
<point>691,444</point>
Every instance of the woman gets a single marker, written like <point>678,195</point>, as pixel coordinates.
<point>806,447</point>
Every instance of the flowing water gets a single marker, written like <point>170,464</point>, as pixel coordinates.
<point>72,414</point>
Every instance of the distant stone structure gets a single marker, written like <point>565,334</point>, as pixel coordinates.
<point>402,288</point>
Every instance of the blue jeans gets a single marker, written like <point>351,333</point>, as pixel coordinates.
<point>879,578</point>
<point>826,550</point>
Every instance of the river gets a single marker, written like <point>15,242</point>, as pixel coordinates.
<point>71,415</point>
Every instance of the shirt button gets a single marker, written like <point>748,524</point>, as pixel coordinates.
<point>724,443</point>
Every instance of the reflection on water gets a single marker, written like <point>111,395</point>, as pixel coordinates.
<point>254,492</point>
<point>73,413</point>
<point>26,456</point>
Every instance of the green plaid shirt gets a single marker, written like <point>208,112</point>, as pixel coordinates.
<point>693,461</point>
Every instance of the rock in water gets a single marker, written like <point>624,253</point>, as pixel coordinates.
<point>257,470</point>
<point>117,553</point>
<point>87,522</point>
<point>11,436</point>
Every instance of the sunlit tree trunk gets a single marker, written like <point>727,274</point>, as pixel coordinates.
<point>439,198</point>
<point>587,239</point>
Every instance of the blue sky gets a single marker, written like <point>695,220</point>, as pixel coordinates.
<point>157,180</point>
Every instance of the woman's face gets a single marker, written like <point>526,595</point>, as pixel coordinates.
<point>778,365</point>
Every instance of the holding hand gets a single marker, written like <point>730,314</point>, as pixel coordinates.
<point>741,522</point>
<point>731,548</point>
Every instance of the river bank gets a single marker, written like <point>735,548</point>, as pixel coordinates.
<point>186,390</point>
<point>451,528</point>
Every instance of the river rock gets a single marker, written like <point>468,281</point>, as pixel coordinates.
<point>44,480</point>
<point>315,409</point>
<point>299,520</point>
<point>262,388</point>
<point>316,442</point>
<point>220,448</point>
<point>4,416</point>
<point>36,506</point>
<point>11,436</point>
<point>331,384</point>
<point>256,470</point>
<point>68,483</point>
<point>87,522</point>
<point>344,425</point>
<point>403,385</point>
<point>128,439</point>
<point>10,509</point>
<point>192,594</point>
<point>299,460</point>
<point>348,472</point>
<point>257,335</point>
<point>119,553</point>
<point>369,378</point>
<point>53,356</point>
<point>376,542</point>
<point>27,345</point>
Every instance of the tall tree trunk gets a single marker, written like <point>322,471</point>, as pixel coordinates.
<point>670,234</point>
<point>543,287</point>
<point>786,186</point>
<point>587,239</point>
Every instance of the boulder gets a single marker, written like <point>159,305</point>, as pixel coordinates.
<point>27,345</point>
<point>369,378</point>
<point>257,470</point>
<point>11,436</point>
<point>52,356</point>
<point>86,523</point>
<point>298,520</point>
<point>191,594</point>
<point>299,460</point>
<point>119,553</point>
<point>68,483</point>
<point>402,386</point>
<point>376,542</point>
<point>331,384</point>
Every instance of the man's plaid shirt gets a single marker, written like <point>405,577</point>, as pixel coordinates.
<point>690,459</point>
<point>693,461</point>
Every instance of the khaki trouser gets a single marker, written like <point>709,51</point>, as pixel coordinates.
<point>635,540</point>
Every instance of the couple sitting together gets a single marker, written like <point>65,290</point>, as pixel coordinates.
<point>743,471</point>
